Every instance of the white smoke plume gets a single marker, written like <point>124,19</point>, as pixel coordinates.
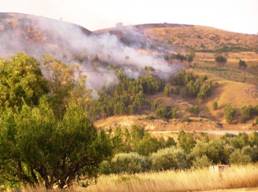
<point>95,53</point>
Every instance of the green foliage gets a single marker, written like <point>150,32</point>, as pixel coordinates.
<point>202,161</point>
<point>243,114</point>
<point>192,86</point>
<point>148,145</point>
<point>230,113</point>
<point>238,157</point>
<point>129,163</point>
<point>66,83</point>
<point>128,97</point>
<point>169,158</point>
<point>214,150</point>
<point>21,81</point>
<point>164,112</point>
<point>35,146</point>
<point>186,141</point>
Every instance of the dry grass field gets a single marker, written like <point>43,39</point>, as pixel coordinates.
<point>235,178</point>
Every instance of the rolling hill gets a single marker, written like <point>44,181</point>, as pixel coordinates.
<point>72,43</point>
<point>198,38</point>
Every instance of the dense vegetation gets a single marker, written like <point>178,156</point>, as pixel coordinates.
<point>190,85</point>
<point>129,96</point>
<point>45,134</point>
<point>188,150</point>
<point>242,115</point>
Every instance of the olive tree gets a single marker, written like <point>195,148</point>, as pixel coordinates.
<point>37,147</point>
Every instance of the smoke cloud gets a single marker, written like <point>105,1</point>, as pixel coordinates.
<point>97,54</point>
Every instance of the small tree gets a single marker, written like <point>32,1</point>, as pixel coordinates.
<point>186,141</point>
<point>229,113</point>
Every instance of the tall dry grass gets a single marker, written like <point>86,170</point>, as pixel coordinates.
<point>170,181</point>
<point>189,180</point>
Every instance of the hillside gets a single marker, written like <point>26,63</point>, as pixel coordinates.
<point>137,49</point>
<point>36,35</point>
<point>198,38</point>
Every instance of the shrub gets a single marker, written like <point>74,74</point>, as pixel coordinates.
<point>238,157</point>
<point>201,162</point>
<point>186,141</point>
<point>105,167</point>
<point>129,163</point>
<point>214,150</point>
<point>169,158</point>
<point>147,145</point>
<point>229,113</point>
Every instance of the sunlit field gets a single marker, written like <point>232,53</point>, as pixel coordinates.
<point>234,178</point>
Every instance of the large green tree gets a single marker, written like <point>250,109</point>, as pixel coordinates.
<point>36,146</point>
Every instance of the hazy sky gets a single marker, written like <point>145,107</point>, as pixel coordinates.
<point>233,15</point>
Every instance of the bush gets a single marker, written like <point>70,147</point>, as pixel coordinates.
<point>105,167</point>
<point>186,141</point>
<point>230,113</point>
<point>129,163</point>
<point>169,158</point>
<point>238,157</point>
<point>147,145</point>
<point>214,150</point>
<point>201,162</point>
